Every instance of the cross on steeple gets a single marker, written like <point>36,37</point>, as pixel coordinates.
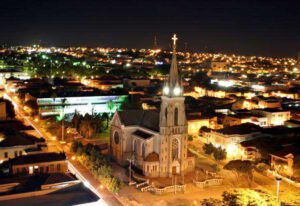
<point>174,38</point>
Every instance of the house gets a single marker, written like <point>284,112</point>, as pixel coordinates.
<point>2,110</point>
<point>229,138</point>
<point>283,161</point>
<point>38,164</point>
<point>236,119</point>
<point>195,122</point>
<point>249,150</point>
<point>18,142</point>
<point>274,116</point>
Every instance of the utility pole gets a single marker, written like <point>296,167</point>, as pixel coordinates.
<point>155,43</point>
<point>130,171</point>
<point>63,120</point>
<point>185,46</point>
<point>278,180</point>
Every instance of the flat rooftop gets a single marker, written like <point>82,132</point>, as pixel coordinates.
<point>74,195</point>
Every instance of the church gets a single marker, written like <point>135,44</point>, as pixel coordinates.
<point>155,141</point>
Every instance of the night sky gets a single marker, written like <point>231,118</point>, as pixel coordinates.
<point>258,27</point>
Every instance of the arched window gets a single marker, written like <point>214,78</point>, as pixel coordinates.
<point>175,149</point>
<point>144,150</point>
<point>166,113</point>
<point>116,138</point>
<point>176,116</point>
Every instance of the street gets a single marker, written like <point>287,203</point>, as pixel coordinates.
<point>82,173</point>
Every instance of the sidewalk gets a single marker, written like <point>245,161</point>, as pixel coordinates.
<point>105,194</point>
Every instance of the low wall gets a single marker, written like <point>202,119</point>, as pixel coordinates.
<point>165,190</point>
<point>208,183</point>
<point>271,173</point>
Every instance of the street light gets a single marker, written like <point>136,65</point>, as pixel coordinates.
<point>278,180</point>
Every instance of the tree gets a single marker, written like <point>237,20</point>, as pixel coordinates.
<point>86,128</point>
<point>208,148</point>
<point>110,106</point>
<point>80,149</point>
<point>190,138</point>
<point>219,154</point>
<point>230,199</point>
<point>76,120</point>
<point>106,116</point>
<point>241,167</point>
<point>74,146</point>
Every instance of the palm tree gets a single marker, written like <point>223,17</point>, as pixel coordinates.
<point>110,105</point>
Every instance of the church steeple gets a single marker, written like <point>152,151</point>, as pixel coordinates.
<point>173,85</point>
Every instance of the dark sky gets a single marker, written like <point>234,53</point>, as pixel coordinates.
<point>261,27</point>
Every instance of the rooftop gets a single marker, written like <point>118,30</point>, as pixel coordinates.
<point>74,195</point>
<point>144,118</point>
<point>142,134</point>
<point>38,158</point>
<point>19,139</point>
<point>246,128</point>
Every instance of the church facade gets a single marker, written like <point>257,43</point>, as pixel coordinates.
<point>156,142</point>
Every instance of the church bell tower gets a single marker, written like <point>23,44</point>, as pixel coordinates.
<point>173,123</point>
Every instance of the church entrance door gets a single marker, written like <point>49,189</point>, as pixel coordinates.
<point>175,167</point>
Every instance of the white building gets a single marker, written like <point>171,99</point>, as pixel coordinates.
<point>275,117</point>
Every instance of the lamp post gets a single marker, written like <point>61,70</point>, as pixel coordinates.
<point>278,180</point>
<point>130,172</point>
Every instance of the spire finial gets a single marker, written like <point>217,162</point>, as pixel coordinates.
<point>174,38</point>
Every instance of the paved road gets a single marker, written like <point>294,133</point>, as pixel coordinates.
<point>82,173</point>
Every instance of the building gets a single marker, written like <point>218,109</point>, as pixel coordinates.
<point>105,85</point>
<point>38,164</point>
<point>2,110</point>
<point>7,73</point>
<point>195,122</point>
<point>229,138</point>
<point>274,116</point>
<point>217,66</point>
<point>137,82</point>
<point>82,102</point>
<point>18,143</point>
<point>155,141</point>
<point>249,150</point>
<point>237,119</point>
<point>46,189</point>
<point>283,161</point>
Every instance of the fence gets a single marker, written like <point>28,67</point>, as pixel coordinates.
<point>208,183</point>
<point>165,190</point>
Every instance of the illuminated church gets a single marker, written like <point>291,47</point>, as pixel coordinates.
<point>155,141</point>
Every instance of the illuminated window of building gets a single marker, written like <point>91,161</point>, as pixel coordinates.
<point>166,113</point>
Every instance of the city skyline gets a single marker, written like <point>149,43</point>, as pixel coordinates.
<point>260,28</point>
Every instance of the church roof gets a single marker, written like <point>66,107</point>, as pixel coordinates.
<point>152,157</point>
<point>142,134</point>
<point>144,118</point>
